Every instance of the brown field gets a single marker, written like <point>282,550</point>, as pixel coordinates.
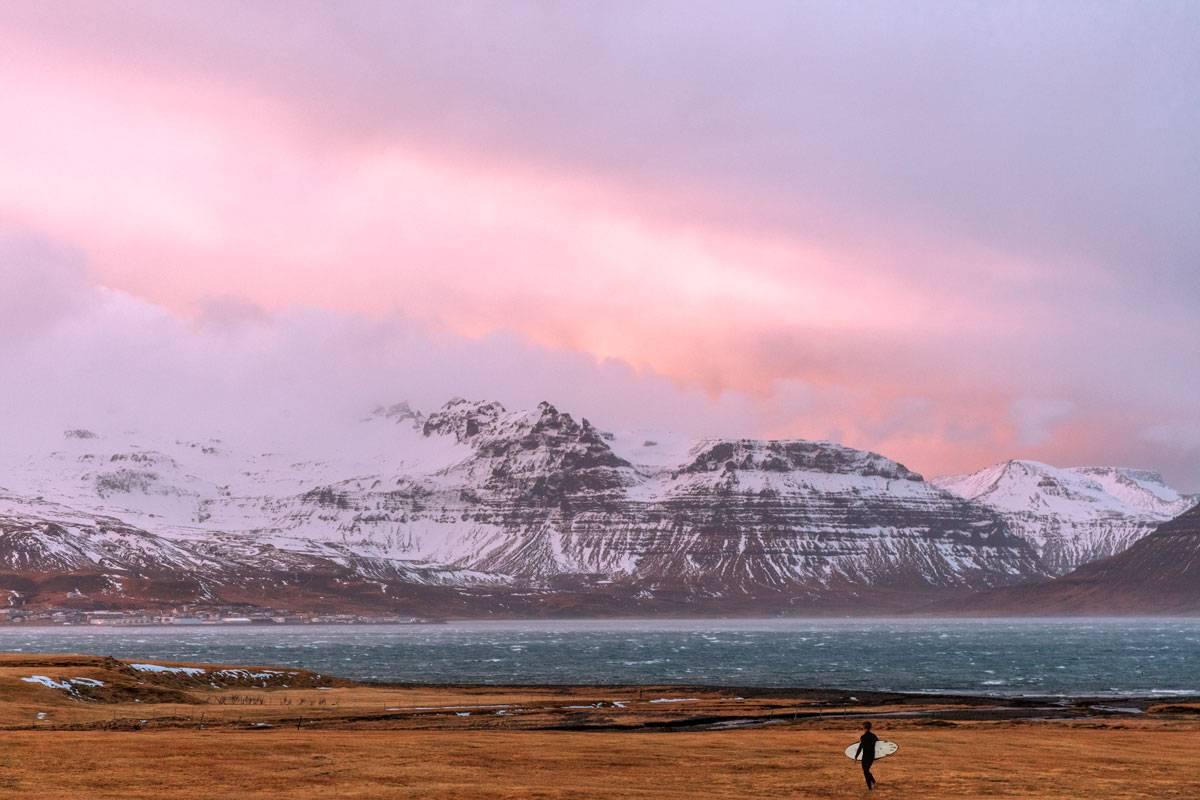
<point>145,735</point>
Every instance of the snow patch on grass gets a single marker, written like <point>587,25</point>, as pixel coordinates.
<point>191,672</point>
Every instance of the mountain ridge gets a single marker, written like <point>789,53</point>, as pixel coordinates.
<point>1072,515</point>
<point>475,495</point>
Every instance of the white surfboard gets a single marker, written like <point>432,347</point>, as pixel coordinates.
<point>882,750</point>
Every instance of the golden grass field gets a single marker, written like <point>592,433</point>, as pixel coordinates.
<point>348,741</point>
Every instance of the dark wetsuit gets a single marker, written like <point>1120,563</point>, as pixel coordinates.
<point>866,746</point>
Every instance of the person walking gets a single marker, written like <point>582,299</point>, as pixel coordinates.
<point>866,748</point>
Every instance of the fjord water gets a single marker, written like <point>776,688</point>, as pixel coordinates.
<point>998,657</point>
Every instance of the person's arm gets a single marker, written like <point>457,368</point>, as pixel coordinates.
<point>858,752</point>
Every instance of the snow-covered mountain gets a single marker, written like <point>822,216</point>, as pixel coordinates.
<point>531,503</point>
<point>50,553</point>
<point>474,495</point>
<point>1072,516</point>
<point>38,536</point>
<point>1158,574</point>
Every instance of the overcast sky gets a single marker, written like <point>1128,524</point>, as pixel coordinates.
<point>950,232</point>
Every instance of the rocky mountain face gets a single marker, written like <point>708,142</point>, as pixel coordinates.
<point>1072,516</point>
<point>475,508</point>
<point>1158,574</point>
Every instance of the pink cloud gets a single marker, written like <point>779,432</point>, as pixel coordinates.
<point>193,173</point>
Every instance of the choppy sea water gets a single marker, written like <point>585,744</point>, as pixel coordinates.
<point>996,657</point>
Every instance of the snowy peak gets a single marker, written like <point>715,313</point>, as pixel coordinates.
<point>543,451</point>
<point>793,456</point>
<point>400,414</point>
<point>1076,515</point>
<point>1019,485</point>
<point>464,419</point>
<point>1139,488</point>
<point>483,423</point>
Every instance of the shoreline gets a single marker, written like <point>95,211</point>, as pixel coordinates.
<point>599,620</point>
<point>1096,659</point>
<point>106,680</point>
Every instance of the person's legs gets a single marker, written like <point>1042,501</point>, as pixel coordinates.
<point>867,773</point>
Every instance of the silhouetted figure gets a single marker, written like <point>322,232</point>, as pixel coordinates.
<point>866,748</point>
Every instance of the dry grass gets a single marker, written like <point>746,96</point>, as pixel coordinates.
<point>374,742</point>
<point>150,700</point>
<point>1050,761</point>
